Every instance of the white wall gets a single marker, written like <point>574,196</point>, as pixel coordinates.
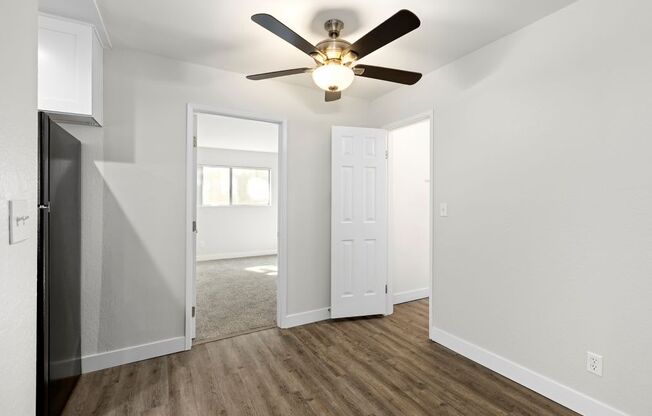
<point>142,168</point>
<point>18,170</point>
<point>235,133</point>
<point>542,152</point>
<point>238,231</point>
<point>409,216</point>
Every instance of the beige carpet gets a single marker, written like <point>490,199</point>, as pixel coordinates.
<point>235,296</point>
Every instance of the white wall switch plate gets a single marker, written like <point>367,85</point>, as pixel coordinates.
<point>19,220</point>
<point>594,363</point>
<point>443,209</point>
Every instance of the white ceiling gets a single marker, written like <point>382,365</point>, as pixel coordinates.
<point>220,33</point>
<point>236,134</point>
<point>83,10</point>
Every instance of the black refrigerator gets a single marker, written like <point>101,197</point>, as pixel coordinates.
<point>59,267</point>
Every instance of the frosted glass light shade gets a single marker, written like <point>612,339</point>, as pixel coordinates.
<point>333,77</point>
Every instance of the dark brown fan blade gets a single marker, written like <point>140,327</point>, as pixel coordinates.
<point>388,74</point>
<point>275,74</point>
<point>391,29</point>
<point>333,96</point>
<point>272,24</point>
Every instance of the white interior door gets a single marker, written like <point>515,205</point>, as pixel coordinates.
<point>358,222</point>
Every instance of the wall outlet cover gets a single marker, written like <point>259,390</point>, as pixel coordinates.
<point>594,363</point>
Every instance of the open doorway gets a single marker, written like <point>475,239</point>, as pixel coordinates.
<point>409,201</point>
<point>381,217</point>
<point>235,270</point>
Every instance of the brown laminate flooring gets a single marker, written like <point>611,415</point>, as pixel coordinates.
<point>365,366</point>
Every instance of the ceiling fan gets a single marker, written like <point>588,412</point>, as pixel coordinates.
<point>337,59</point>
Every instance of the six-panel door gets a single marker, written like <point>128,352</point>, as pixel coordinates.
<point>358,221</point>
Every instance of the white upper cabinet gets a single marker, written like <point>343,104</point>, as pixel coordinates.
<point>69,70</point>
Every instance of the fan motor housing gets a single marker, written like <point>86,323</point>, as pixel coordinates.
<point>334,46</point>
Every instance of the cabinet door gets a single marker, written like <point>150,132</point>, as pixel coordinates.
<point>65,55</point>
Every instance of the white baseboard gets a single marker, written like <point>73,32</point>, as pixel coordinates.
<point>410,295</point>
<point>551,389</point>
<point>237,255</point>
<point>303,318</point>
<point>128,355</point>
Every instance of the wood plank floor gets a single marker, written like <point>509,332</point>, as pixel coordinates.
<point>368,366</point>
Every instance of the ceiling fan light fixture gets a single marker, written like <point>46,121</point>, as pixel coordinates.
<point>333,77</point>
<point>337,58</point>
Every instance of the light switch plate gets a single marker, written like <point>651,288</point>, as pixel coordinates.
<point>19,220</point>
<point>443,209</point>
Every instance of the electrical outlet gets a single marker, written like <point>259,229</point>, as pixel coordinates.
<point>594,363</point>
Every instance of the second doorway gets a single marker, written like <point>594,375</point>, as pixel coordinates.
<point>237,216</point>
<point>409,173</point>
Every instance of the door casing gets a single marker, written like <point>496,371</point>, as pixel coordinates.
<point>426,115</point>
<point>191,172</point>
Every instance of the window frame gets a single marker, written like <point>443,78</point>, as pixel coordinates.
<point>200,186</point>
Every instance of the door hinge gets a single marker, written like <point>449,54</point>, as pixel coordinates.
<point>194,226</point>
<point>45,207</point>
<point>194,141</point>
<point>385,288</point>
<point>193,312</point>
<point>386,154</point>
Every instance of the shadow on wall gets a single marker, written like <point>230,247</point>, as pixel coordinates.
<point>138,303</point>
<point>128,298</point>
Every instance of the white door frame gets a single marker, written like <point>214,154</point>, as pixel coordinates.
<point>426,115</point>
<point>191,172</point>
